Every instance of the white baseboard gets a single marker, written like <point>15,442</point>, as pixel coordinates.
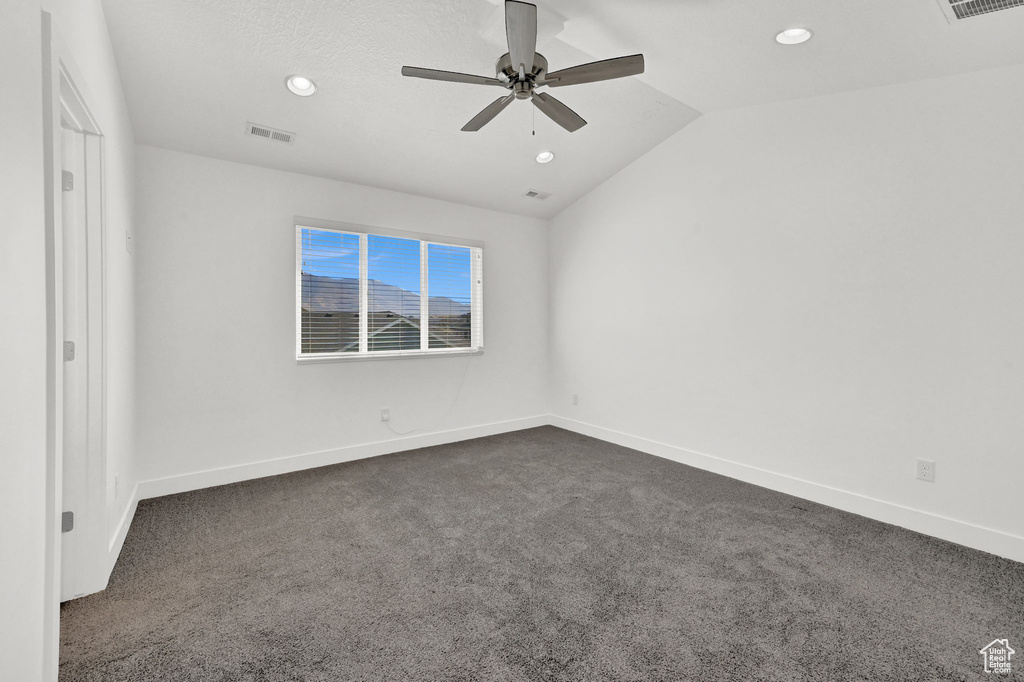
<point>985,539</point>
<point>977,537</point>
<point>244,472</point>
<point>121,532</point>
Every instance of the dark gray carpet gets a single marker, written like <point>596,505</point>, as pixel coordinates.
<point>536,555</point>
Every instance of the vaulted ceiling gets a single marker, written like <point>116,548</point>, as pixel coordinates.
<point>196,71</point>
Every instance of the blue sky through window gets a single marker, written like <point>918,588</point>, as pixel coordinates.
<point>448,272</point>
<point>391,260</point>
<point>394,261</point>
<point>330,254</point>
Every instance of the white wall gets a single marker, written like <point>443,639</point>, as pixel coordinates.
<point>218,382</point>
<point>81,26</point>
<point>22,347</point>
<point>825,289</point>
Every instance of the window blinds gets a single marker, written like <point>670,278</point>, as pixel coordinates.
<point>329,302</point>
<point>450,299</point>
<point>371,294</point>
<point>393,293</point>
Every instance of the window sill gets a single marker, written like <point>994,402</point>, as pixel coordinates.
<point>383,355</point>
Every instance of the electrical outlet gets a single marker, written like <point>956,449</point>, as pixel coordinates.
<point>926,470</point>
<point>385,414</point>
<point>575,398</point>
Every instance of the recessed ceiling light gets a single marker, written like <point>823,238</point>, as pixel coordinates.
<point>300,85</point>
<point>794,36</point>
<point>545,157</point>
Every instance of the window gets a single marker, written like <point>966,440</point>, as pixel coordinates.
<point>363,294</point>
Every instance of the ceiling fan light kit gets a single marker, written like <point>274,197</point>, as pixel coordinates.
<point>522,70</point>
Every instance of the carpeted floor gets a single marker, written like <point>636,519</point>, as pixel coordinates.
<point>535,555</point>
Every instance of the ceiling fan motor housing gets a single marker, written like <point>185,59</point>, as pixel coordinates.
<point>522,88</point>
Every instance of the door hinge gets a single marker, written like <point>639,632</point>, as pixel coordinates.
<point>67,181</point>
<point>69,351</point>
<point>67,522</point>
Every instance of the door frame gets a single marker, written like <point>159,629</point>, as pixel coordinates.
<point>90,518</point>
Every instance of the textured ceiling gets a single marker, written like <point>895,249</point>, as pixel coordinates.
<point>195,71</point>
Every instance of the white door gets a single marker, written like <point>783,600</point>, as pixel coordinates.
<point>83,546</point>
<point>76,350</point>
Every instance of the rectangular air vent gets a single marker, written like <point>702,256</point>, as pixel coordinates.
<point>536,194</point>
<point>268,133</point>
<point>956,10</point>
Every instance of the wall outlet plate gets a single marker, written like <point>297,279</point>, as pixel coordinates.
<point>926,470</point>
<point>385,414</point>
<point>575,398</point>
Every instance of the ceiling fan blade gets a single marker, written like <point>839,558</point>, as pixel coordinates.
<point>558,112</point>
<point>489,112</point>
<point>521,32</point>
<point>450,76</point>
<point>605,70</point>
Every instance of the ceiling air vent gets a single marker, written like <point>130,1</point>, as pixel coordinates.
<point>536,194</point>
<point>268,133</point>
<point>965,9</point>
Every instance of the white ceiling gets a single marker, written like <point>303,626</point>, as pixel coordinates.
<point>195,71</point>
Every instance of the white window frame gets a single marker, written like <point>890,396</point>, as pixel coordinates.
<point>476,248</point>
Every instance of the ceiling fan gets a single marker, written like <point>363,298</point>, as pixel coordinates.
<point>522,70</point>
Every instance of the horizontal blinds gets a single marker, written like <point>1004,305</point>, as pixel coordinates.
<point>417,296</point>
<point>355,228</point>
<point>393,293</point>
<point>450,300</point>
<point>329,305</point>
